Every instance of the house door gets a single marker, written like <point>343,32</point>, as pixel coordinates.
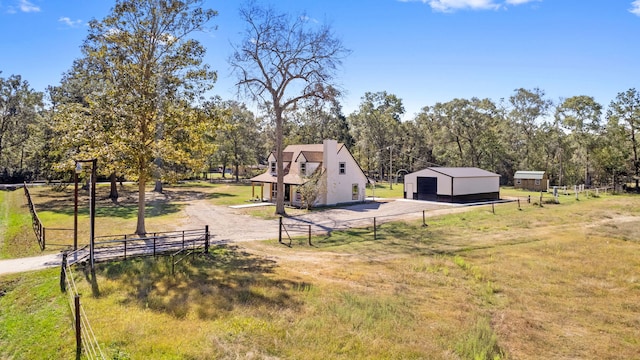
<point>427,188</point>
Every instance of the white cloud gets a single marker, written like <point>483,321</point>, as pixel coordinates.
<point>69,22</point>
<point>453,5</point>
<point>519,2</point>
<point>635,7</point>
<point>26,6</point>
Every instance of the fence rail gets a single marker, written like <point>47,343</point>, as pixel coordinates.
<point>38,228</point>
<point>175,243</point>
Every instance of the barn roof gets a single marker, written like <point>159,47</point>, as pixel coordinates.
<point>463,172</point>
<point>535,175</point>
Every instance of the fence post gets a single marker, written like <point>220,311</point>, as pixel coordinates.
<point>125,249</point>
<point>63,273</point>
<point>310,235</point>
<point>206,239</point>
<point>43,236</point>
<point>76,301</point>
<point>154,244</point>
<point>519,204</point>
<point>540,198</point>
<point>493,208</point>
<point>375,231</point>
<point>183,236</point>
<point>529,199</point>
<point>280,230</point>
<point>424,219</point>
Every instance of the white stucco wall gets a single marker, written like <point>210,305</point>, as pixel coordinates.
<point>338,185</point>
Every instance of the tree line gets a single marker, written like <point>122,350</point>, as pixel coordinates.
<point>135,100</point>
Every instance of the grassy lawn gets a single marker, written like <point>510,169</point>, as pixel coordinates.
<point>35,319</point>
<point>382,190</point>
<point>16,235</point>
<point>558,281</point>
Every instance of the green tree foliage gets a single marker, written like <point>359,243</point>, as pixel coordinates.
<point>581,115</point>
<point>320,119</point>
<point>623,125</point>
<point>20,127</point>
<point>528,108</point>
<point>238,138</point>
<point>281,61</point>
<point>464,132</point>
<point>376,128</point>
<point>140,74</point>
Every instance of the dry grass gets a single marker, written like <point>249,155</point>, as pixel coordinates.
<point>553,282</point>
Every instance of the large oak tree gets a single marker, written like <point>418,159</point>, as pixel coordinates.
<point>149,72</point>
<point>281,60</point>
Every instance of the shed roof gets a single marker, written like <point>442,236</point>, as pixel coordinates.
<point>535,175</point>
<point>463,172</point>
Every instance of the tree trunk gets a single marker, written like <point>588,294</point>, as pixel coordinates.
<point>113,194</point>
<point>140,228</point>
<point>279,161</point>
<point>158,187</point>
<point>237,179</point>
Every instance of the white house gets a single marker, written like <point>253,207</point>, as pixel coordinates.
<point>342,178</point>
<point>459,184</point>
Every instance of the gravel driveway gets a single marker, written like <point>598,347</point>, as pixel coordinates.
<point>226,224</point>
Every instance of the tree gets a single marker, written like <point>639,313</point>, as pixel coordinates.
<point>237,137</point>
<point>375,126</point>
<point>281,61</point>
<point>581,115</point>
<point>624,113</point>
<point>528,107</point>
<point>20,108</point>
<point>321,119</point>
<point>149,72</point>
<point>313,186</point>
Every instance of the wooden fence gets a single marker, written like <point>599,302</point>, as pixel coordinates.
<point>38,228</point>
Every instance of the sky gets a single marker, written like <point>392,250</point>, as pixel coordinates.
<point>422,51</point>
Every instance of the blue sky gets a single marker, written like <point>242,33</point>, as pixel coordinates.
<point>423,51</point>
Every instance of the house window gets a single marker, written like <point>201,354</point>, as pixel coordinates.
<point>273,167</point>
<point>274,190</point>
<point>518,181</point>
<point>537,181</point>
<point>355,191</point>
<point>303,169</point>
<point>342,168</point>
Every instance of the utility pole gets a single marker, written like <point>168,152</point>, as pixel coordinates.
<point>390,167</point>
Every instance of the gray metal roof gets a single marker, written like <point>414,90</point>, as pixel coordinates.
<point>463,172</point>
<point>536,175</point>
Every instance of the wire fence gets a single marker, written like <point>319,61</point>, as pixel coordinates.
<point>86,341</point>
<point>290,228</point>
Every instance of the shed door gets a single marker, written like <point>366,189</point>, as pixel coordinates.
<point>427,188</point>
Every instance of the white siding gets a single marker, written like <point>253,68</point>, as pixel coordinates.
<point>479,185</point>
<point>339,186</point>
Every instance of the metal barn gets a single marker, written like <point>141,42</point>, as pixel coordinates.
<point>459,184</point>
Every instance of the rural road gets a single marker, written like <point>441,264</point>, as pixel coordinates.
<point>228,225</point>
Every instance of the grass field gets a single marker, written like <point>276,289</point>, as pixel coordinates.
<point>16,235</point>
<point>558,281</point>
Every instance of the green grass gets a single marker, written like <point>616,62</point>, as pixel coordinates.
<point>16,235</point>
<point>382,190</point>
<point>557,281</point>
<point>35,317</point>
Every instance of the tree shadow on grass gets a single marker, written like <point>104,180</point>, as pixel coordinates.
<point>205,286</point>
<point>124,211</point>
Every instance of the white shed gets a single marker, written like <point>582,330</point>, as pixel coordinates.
<point>460,184</point>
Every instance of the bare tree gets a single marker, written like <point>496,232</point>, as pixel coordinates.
<point>282,60</point>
